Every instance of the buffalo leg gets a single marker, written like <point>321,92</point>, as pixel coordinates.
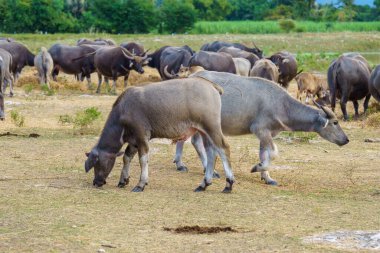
<point>129,153</point>
<point>343,104</point>
<point>99,83</point>
<point>178,157</point>
<point>11,88</point>
<point>126,80</point>
<point>143,150</point>
<point>366,101</point>
<point>356,107</point>
<point>55,73</point>
<point>268,151</point>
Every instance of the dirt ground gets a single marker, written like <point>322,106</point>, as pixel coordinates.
<point>48,203</point>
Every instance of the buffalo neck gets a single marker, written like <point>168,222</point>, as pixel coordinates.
<point>111,137</point>
<point>300,117</point>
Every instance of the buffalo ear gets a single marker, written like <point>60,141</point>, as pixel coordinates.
<point>90,162</point>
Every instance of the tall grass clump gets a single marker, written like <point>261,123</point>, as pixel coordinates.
<point>17,118</point>
<point>82,120</point>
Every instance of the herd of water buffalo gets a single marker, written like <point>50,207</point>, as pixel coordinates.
<point>224,89</point>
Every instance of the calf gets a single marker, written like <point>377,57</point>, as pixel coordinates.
<point>44,64</point>
<point>173,109</point>
<point>311,84</point>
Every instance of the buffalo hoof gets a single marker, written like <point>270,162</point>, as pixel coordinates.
<point>123,184</point>
<point>254,169</point>
<point>272,183</point>
<point>138,189</point>
<point>97,91</point>
<point>215,175</point>
<point>227,190</point>
<point>11,94</point>
<point>182,169</point>
<point>200,189</point>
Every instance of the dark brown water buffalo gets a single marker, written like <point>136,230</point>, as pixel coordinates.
<point>264,68</point>
<point>172,58</point>
<point>287,66</point>
<point>2,114</point>
<point>71,60</point>
<point>99,42</point>
<point>21,56</point>
<point>134,48</point>
<point>217,45</point>
<point>238,53</point>
<point>348,78</point>
<point>220,62</point>
<point>6,76</point>
<point>115,61</point>
<point>173,109</point>
<point>374,83</point>
<point>155,58</point>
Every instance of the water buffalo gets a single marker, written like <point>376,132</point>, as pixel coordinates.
<point>2,114</point>
<point>374,83</point>
<point>212,61</point>
<point>185,72</point>
<point>72,60</point>
<point>44,64</point>
<point>311,84</point>
<point>287,66</point>
<point>348,78</point>
<point>238,53</point>
<point>134,48</point>
<point>98,42</point>
<point>172,109</point>
<point>266,69</point>
<point>6,76</point>
<point>113,62</point>
<point>159,62</point>
<point>217,45</point>
<point>21,56</point>
<point>242,66</point>
<point>261,107</point>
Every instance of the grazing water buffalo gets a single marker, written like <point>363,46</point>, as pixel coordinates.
<point>134,48</point>
<point>72,60</point>
<point>238,53</point>
<point>171,60</point>
<point>261,107</point>
<point>113,62</point>
<point>5,71</point>
<point>287,66</point>
<point>172,109</point>
<point>374,83</point>
<point>313,85</point>
<point>44,64</point>
<point>242,66</point>
<point>217,45</point>
<point>21,56</point>
<point>264,68</point>
<point>212,61</point>
<point>348,78</point>
<point>2,114</point>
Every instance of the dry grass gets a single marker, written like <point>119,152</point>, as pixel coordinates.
<point>49,204</point>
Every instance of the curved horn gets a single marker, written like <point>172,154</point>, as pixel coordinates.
<point>166,72</point>
<point>145,54</point>
<point>255,45</point>
<point>126,56</point>
<point>329,113</point>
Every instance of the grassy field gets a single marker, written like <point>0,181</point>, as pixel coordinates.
<point>48,203</point>
<point>267,27</point>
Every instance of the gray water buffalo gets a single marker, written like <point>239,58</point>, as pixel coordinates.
<point>238,53</point>
<point>242,66</point>
<point>98,42</point>
<point>264,68</point>
<point>173,109</point>
<point>261,107</point>
<point>348,79</point>
<point>72,60</point>
<point>217,45</point>
<point>311,84</point>
<point>374,83</point>
<point>114,62</point>
<point>44,64</point>
<point>2,114</point>
<point>287,66</point>
<point>171,60</point>
<point>134,48</point>
<point>212,61</point>
<point>6,76</point>
<point>21,56</point>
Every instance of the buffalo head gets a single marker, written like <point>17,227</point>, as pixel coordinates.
<point>102,162</point>
<point>136,62</point>
<point>328,127</point>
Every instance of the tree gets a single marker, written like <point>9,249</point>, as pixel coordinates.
<point>249,9</point>
<point>212,9</point>
<point>177,16</point>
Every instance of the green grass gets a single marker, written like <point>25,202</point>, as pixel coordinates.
<point>266,27</point>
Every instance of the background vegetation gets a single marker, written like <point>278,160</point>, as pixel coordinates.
<point>175,16</point>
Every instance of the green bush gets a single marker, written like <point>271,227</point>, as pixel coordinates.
<point>17,118</point>
<point>28,88</point>
<point>85,118</point>
<point>286,25</point>
<point>177,16</point>
<point>47,91</point>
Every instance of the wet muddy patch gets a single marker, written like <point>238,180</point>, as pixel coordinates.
<point>349,240</point>
<point>200,230</point>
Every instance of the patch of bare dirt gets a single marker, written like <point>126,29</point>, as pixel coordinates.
<point>200,230</point>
